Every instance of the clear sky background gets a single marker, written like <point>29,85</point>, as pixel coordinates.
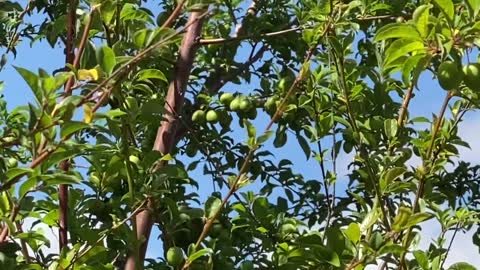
<point>427,101</point>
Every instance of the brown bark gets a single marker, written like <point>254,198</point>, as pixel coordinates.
<point>65,165</point>
<point>166,139</point>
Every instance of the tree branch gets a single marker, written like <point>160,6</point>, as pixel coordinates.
<point>165,139</point>
<point>65,164</point>
<point>174,15</point>
<point>243,37</point>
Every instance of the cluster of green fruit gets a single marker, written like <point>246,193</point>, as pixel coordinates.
<point>450,76</point>
<point>244,106</point>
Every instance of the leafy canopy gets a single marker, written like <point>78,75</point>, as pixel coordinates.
<point>287,141</point>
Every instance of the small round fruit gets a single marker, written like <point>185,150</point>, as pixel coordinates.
<point>226,98</point>
<point>449,76</point>
<point>252,113</point>
<point>235,104</point>
<point>271,103</point>
<point>198,116</point>
<point>216,230</point>
<point>472,76</point>
<point>182,217</point>
<point>134,159</point>
<point>212,116</point>
<point>175,256</point>
<point>287,229</point>
<point>245,105</point>
<point>400,19</point>
<point>12,163</point>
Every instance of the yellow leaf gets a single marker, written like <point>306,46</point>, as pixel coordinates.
<point>88,113</point>
<point>87,74</point>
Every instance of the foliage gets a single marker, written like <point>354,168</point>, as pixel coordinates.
<point>334,77</point>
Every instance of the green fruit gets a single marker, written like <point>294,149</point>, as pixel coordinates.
<point>245,105</point>
<point>472,75</point>
<point>226,98</point>
<point>134,159</point>
<point>449,76</point>
<point>287,229</point>
<point>212,116</point>
<point>198,116</point>
<point>400,19</point>
<point>252,113</point>
<point>271,105</point>
<point>12,163</point>
<point>235,104</point>
<point>216,230</point>
<point>175,256</point>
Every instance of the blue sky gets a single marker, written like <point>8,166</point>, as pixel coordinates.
<point>427,101</point>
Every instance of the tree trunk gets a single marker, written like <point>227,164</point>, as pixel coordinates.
<point>165,140</point>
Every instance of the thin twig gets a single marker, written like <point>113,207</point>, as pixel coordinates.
<point>239,38</point>
<point>450,244</point>
<point>421,184</point>
<point>403,109</point>
<point>174,15</point>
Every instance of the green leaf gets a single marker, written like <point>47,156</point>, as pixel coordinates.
<point>422,259</point>
<point>304,145</point>
<point>71,127</point>
<point>115,113</point>
<point>251,131</point>
<point>32,80</point>
<point>200,253</point>
<point>61,78</point>
<point>92,254</point>
<point>417,218</point>
<point>446,6</point>
<point>265,136</point>
<point>325,6</point>
<point>34,235</point>
<point>148,74</point>
<point>401,218</point>
<point>474,7</point>
<point>412,68</point>
<point>327,255</point>
<point>401,47</point>
<point>61,179</point>
<point>106,59</point>
<point>261,207</point>
<point>391,128</point>
<point>398,30</point>
<point>60,155</point>
<point>369,220</point>
<point>280,139</point>
<point>420,18</point>
<point>26,186</point>
<point>140,37</point>
<point>390,176</point>
<point>376,241</point>
<point>18,172</point>
<point>212,206</point>
<point>353,232</point>
<point>462,266</point>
